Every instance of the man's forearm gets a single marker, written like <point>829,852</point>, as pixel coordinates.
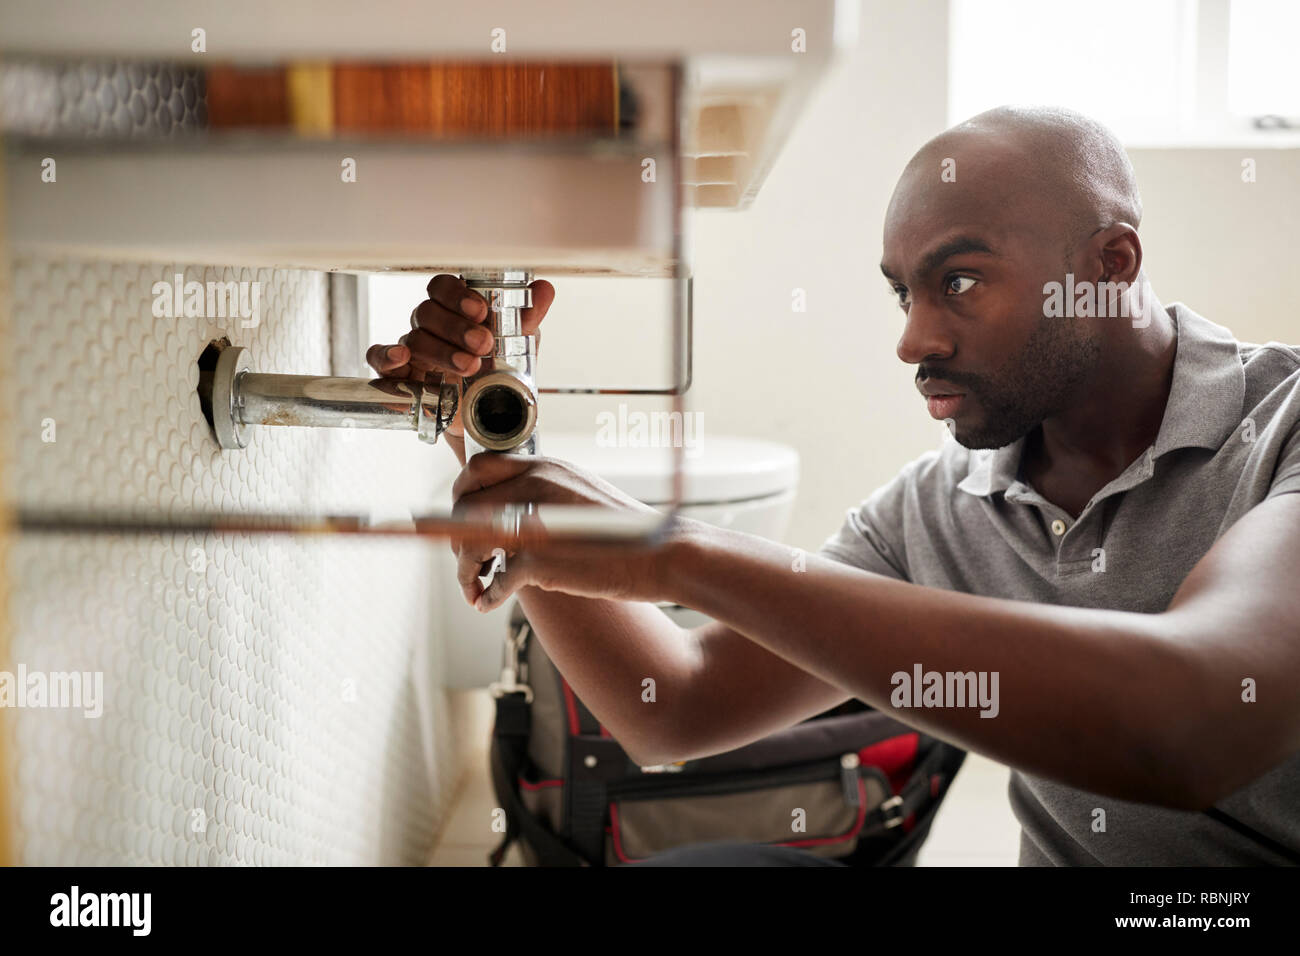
<point>605,649</point>
<point>1095,699</point>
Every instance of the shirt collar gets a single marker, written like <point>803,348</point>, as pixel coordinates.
<point>992,469</point>
<point>1209,386</point>
<point>1204,405</point>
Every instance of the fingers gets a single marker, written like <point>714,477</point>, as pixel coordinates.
<point>510,574</point>
<point>389,360</point>
<point>489,478</point>
<point>452,326</point>
<point>468,563</point>
<point>504,584</point>
<point>453,310</point>
<point>446,335</point>
<point>430,353</point>
<point>543,296</point>
<point>490,468</point>
<point>452,294</point>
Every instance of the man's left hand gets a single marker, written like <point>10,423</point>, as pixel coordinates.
<point>620,571</point>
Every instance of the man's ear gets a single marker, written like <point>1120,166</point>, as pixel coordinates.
<point>1120,251</point>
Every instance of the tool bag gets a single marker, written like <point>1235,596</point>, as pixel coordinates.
<point>851,784</point>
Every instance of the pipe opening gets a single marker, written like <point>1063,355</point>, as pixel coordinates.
<point>207,367</point>
<point>500,412</point>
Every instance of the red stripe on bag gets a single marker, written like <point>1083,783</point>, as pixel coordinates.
<point>895,757</point>
<point>618,843</point>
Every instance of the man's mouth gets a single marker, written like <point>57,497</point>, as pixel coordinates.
<point>944,406</point>
<point>943,399</point>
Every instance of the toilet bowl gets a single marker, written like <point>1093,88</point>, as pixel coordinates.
<point>744,483</point>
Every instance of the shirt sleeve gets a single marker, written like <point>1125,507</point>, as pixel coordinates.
<point>1286,476</point>
<point>871,537</point>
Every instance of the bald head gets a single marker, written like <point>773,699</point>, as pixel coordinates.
<point>1074,167</point>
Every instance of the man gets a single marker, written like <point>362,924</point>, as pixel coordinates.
<point>1114,532</point>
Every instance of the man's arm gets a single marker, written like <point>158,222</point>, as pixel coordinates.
<point>724,690</point>
<point>1145,707</point>
<point>714,689</point>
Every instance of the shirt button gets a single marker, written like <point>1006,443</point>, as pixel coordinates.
<point>1058,527</point>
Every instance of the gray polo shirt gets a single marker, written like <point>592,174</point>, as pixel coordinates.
<point>964,520</point>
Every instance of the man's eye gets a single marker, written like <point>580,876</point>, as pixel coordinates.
<point>953,284</point>
<point>901,292</point>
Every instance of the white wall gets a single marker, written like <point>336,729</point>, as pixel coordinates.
<point>828,381</point>
<point>825,381</point>
<point>1225,247</point>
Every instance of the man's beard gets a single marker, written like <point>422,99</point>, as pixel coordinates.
<point>1034,385</point>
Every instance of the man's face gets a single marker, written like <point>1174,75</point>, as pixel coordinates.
<point>968,260</point>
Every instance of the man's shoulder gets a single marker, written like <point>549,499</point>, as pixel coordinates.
<point>1272,381</point>
<point>1265,363</point>
<point>1270,361</point>
<point>1222,381</point>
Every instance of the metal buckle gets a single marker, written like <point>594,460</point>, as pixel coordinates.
<point>893,803</point>
<point>510,682</point>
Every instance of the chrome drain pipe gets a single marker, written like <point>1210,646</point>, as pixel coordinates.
<point>237,398</point>
<point>498,403</point>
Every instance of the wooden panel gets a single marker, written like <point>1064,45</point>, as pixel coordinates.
<point>440,99</point>
<point>371,97</point>
<point>248,97</point>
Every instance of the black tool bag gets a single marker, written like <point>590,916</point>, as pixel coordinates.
<point>851,784</point>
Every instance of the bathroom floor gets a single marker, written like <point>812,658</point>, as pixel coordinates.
<point>975,826</point>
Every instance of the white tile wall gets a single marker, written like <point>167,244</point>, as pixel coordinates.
<point>266,700</point>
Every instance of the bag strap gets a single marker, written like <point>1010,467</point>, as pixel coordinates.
<point>920,796</point>
<point>593,763</point>
<point>508,756</point>
<point>916,794</point>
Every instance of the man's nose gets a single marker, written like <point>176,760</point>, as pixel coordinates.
<point>926,336</point>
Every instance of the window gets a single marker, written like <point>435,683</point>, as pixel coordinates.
<point>1263,53</point>
<point>1159,72</point>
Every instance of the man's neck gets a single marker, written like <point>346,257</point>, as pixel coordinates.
<point>1117,416</point>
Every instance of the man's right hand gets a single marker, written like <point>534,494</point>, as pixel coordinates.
<point>448,335</point>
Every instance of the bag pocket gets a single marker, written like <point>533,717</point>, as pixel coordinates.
<point>821,807</point>
<point>543,798</point>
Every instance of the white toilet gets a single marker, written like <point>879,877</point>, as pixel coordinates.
<point>743,483</point>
